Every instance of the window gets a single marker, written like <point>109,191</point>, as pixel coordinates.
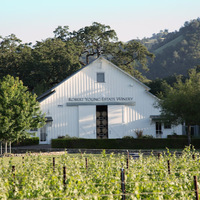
<point>100,77</point>
<point>158,128</point>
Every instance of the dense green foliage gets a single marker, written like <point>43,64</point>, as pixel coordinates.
<point>181,103</point>
<point>45,64</point>
<point>124,143</point>
<point>176,136</point>
<point>53,61</point>
<point>40,66</point>
<point>48,62</point>
<point>27,142</point>
<point>176,52</point>
<point>146,178</point>
<point>19,110</point>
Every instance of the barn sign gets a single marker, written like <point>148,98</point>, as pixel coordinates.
<point>107,99</point>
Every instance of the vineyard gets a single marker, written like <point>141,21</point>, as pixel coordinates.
<point>104,176</point>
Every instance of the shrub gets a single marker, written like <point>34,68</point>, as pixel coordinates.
<point>176,136</point>
<point>139,133</point>
<point>147,143</point>
<point>27,142</point>
<point>147,136</point>
<point>128,137</point>
<point>67,137</point>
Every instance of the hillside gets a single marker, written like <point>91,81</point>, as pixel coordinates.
<point>173,42</point>
<point>175,52</point>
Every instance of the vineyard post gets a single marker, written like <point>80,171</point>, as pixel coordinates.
<point>193,156</point>
<point>123,183</point>
<point>127,160</point>
<point>53,164</point>
<point>86,163</point>
<point>196,188</point>
<point>23,160</point>
<point>64,177</point>
<point>158,155</point>
<point>168,163</point>
<point>13,173</point>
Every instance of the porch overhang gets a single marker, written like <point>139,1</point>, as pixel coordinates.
<point>49,119</point>
<point>155,118</point>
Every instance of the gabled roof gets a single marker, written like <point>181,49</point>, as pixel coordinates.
<point>52,90</point>
<point>146,87</point>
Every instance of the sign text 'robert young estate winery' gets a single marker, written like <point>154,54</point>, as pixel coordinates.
<point>102,99</point>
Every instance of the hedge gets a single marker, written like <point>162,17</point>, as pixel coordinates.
<point>27,142</point>
<point>123,144</point>
<point>177,136</point>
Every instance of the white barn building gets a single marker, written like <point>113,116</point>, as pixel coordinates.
<point>101,101</point>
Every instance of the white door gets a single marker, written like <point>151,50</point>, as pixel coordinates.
<point>44,134</point>
<point>87,122</point>
<point>115,121</point>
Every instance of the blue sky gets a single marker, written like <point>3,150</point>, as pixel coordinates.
<point>35,20</point>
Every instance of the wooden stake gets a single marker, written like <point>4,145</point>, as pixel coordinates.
<point>86,163</point>
<point>64,177</point>
<point>13,174</point>
<point>127,160</point>
<point>13,171</point>
<point>53,164</point>
<point>168,162</point>
<point>158,155</point>
<point>127,163</point>
<point>123,183</point>
<point>196,188</point>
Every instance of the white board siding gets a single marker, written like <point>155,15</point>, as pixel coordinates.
<point>83,84</point>
<point>88,87</point>
<point>87,122</point>
<point>135,120</point>
<point>65,122</point>
<point>115,121</point>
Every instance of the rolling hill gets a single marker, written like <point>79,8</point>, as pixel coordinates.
<point>175,52</point>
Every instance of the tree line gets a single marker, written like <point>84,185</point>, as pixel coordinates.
<point>49,61</point>
<point>27,70</point>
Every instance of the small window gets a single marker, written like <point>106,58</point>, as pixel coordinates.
<point>100,77</point>
<point>167,125</point>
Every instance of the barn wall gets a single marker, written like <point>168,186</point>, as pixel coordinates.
<point>72,118</point>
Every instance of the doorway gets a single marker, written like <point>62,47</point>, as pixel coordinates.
<point>43,134</point>
<point>159,129</point>
<point>102,122</point>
